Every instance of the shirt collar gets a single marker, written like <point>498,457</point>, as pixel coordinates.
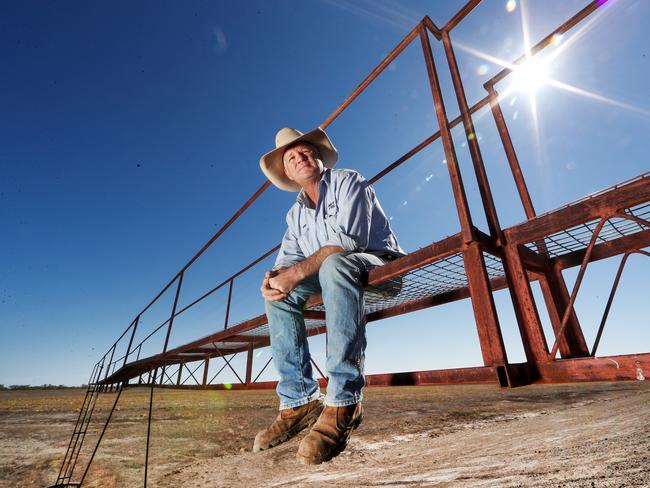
<point>325,179</point>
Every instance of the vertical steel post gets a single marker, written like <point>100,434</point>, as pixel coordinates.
<point>146,453</point>
<point>173,314</point>
<point>487,322</point>
<point>472,141</point>
<point>530,326</point>
<point>460,198</point>
<point>511,155</point>
<point>128,348</point>
<point>556,295</point>
<point>171,321</point>
<point>249,364</point>
<point>205,369</point>
<point>180,372</point>
<point>108,369</point>
<point>225,322</point>
<point>485,313</point>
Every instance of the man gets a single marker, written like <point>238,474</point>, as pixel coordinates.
<point>336,232</point>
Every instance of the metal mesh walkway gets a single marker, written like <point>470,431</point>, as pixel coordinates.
<point>578,237</point>
<point>442,276</point>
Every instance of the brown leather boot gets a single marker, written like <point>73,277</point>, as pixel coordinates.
<point>330,434</point>
<point>288,423</point>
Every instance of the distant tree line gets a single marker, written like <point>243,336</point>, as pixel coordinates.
<point>46,386</point>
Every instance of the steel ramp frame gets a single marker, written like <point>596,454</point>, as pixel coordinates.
<point>471,264</point>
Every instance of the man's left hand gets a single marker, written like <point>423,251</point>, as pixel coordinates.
<point>285,280</point>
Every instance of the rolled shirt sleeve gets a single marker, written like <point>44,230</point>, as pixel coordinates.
<point>290,252</point>
<point>349,225</point>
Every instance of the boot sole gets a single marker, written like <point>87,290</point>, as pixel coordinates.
<point>307,421</point>
<point>339,448</point>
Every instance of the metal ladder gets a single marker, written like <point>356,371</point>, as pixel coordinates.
<point>79,433</point>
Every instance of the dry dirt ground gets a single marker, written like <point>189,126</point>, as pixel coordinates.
<point>587,435</point>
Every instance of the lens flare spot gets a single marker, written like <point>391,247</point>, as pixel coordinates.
<point>227,386</point>
<point>556,39</point>
<point>471,136</point>
<point>511,5</point>
<point>482,70</point>
<point>515,115</point>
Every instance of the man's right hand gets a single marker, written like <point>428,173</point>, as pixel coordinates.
<point>271,294</point>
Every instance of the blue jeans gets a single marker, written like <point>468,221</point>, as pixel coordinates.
<point>339,280</point>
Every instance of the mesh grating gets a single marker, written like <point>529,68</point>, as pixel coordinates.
<point>263,330</point>
<point>578,237</point>
<point>442,276</point>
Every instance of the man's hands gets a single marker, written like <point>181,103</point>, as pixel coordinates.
<point>269,293</point>
<point>277,284</point>
<point>285,279</point>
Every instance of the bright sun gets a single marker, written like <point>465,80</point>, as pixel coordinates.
<point>529,76</point>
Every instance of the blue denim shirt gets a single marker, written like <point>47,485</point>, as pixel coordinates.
<point>347,214</point>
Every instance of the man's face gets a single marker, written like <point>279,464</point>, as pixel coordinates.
<point>301,163</point>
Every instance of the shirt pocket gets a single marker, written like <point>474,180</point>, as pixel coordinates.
<point>329,216</point>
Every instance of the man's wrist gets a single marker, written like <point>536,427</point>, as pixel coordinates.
<point>297,272</point>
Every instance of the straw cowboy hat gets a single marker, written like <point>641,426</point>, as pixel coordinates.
<point>272,165</point>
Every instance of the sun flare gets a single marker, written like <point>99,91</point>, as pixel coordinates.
<point>529,76</point>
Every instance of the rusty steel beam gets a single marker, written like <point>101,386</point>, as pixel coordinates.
<point>528,321</point>
<point>511,154</point>
<point>460,15</point>
<point>556,296</point>
<point>426,255</point>
<point>576,287</point>
<point>534,261</point>
<point>580,212</point>
<point>606,368</point>
<point>485,314</point>
<point>472,375</point>
<point>433,28</point>
<point>604,250</point>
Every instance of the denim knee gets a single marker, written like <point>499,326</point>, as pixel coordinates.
<point>337,269</point>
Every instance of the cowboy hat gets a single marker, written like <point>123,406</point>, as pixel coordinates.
<point>272,165</point>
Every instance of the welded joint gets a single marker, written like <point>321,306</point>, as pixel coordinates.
<point>433,28</point>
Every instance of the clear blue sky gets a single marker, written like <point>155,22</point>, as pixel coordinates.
<point>130,131</point>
